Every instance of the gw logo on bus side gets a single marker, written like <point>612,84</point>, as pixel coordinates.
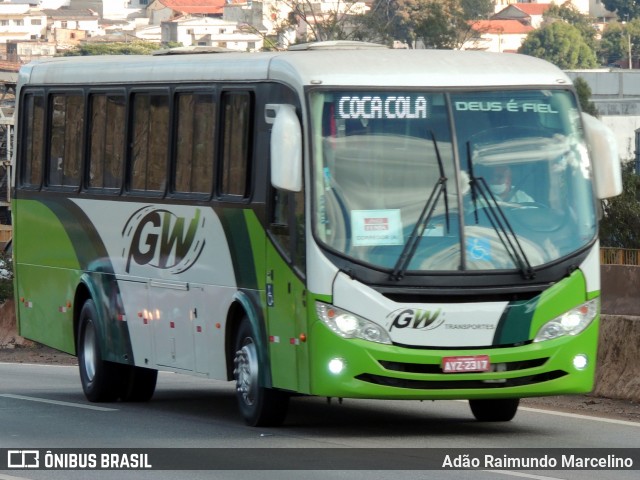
<point>415,318</point>
<point>161,239</point>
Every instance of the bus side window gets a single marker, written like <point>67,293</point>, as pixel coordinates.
<point>66,130</point>
<point>33,143</point>
<point>106,140</point>
<point>195,142</point>
<point>236,151</point>
<point>150,142</point>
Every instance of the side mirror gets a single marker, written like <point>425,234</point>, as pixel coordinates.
<point>286,147</point>
<point>603,149</point>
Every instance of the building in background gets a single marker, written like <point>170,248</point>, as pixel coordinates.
<point>497,35</point>
<point>209,32</point>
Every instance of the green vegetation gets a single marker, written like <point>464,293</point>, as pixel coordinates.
<point>561,44</point>
<point>584,96</point>
<point>620,225</point>
<point>434,23</point>
<point>118,48</point>
<point>6,277</point>
<point>626,9</point>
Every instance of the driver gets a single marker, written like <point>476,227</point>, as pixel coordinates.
<point>500,182</point>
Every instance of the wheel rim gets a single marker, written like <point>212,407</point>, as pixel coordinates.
<point>89,351</point>
<point>246,373</point>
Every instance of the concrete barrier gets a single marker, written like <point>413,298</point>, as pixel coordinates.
<point>618,364</point>
<point>620,290</point>
<point>618,372</point>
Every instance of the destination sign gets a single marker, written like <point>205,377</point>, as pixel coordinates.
<point>513,106</point>
<point>383,106</point>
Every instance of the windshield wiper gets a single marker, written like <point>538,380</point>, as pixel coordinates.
<point>410,247</point>
<point>498,220</point>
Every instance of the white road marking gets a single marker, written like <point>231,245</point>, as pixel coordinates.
<point>57,402</point>
<point>627,423</point>
<point>38,364</point>
<point>582,417</point>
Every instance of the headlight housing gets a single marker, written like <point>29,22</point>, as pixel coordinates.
<point>349,325</point>
<point>570,323</point>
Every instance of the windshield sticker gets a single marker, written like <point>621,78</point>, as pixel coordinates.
<point>376,227</point>
<point>387,107</point>
<point>513,106</point>
<point>478,249</point>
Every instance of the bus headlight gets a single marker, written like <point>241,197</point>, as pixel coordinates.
<point>348,325</point>
<point>570,323</point>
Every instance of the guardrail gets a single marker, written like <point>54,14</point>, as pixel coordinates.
<point>619,256</point>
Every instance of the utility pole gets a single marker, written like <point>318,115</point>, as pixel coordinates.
<point>625,23</point>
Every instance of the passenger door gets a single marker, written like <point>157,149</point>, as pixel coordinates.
<point>286,294</point>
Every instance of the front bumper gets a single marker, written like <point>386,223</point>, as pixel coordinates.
<point>386,371</point>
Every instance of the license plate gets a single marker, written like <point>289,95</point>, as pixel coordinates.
<point>475,363</point>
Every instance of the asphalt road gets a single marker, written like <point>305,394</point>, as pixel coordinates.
<point>42,407</point>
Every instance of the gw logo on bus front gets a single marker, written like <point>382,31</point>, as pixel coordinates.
<point>161,239</point>
<point>415,318</point>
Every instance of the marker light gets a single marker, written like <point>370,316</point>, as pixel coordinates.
<point>336,365</point>
<point>570,323</point>
<point>580,361</point>
<point>348,325</point>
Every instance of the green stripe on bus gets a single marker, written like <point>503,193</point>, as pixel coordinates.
<point>240,242</point>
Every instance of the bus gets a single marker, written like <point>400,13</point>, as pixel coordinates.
<point>321,221</point>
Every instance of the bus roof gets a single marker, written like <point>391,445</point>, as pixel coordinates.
<point>339,67</point>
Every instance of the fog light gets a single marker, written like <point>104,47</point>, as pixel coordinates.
<point>580,362</point>
<point>336,365</point>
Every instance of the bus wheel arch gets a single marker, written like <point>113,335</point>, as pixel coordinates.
<point>242,309</point>
<point>81,296</point>
<point>234,316</point>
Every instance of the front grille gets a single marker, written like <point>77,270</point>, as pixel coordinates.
<point>433,368</point>
<point>457,384</point>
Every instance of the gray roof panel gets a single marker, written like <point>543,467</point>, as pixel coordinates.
<point>403,68</point>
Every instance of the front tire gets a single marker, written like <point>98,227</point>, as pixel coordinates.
<point>494,410</point>
<point>99,378</point>
<point>138,383</point>
<point>260,406</point>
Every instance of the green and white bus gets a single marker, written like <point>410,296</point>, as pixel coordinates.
<point>314,222</point>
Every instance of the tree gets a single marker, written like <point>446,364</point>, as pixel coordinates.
<point>626,9</point>
<point>115,48</point>
<point>381,24</point>
<point>568,13</point>
<point>617,40</point>
<point>434,23</point>
<point>561,44</point>
<point>313,23</point>
<point>584,96</point>
<point>620,224</point>
<point>431,22</point>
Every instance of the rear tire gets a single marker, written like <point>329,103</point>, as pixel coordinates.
<point>99,378</point>
<point>260,406</point>
<point>494,410</point>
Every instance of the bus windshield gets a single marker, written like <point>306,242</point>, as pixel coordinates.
<point>432,181</point>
